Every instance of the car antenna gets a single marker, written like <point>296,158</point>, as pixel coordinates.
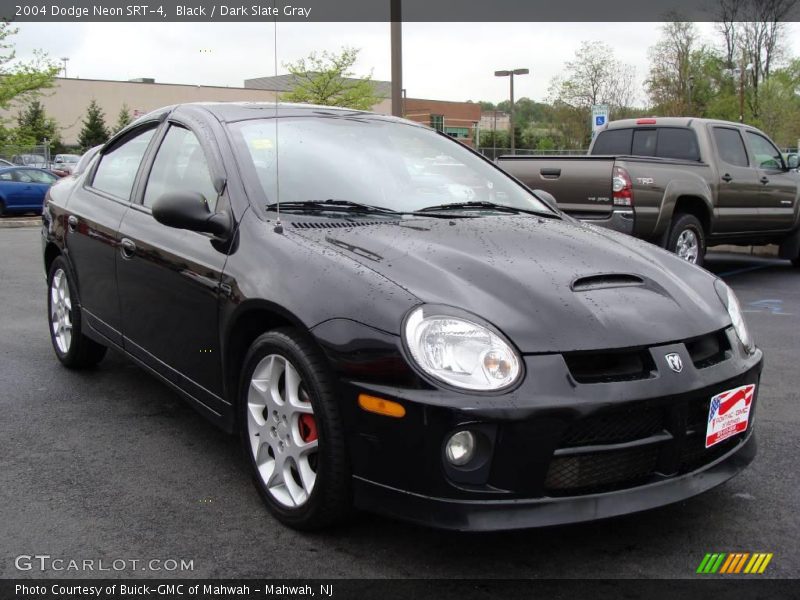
<point>278,224</point>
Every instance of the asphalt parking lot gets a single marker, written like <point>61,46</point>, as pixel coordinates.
<point>112,464</point>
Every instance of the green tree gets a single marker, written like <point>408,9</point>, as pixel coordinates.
<point>594,76</point>
<point>328,79</point>
<point>34,124</point>
<point>123,119</point>
<point>20,80</point>
<point>94,130</point>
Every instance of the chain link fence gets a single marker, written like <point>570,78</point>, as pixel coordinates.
<point>38,156</point>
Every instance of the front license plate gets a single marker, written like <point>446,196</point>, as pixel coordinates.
<point>729,413</point>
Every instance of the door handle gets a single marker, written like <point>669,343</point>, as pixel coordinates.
<point>727,177</point>
<point>550,173</point>
<point>764,180</point>
<point>72,222</point>
<point>127,247</point>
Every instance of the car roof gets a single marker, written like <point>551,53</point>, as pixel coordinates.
<point>672,122</point>
<point>229,112</point>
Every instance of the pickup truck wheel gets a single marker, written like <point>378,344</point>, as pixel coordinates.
<point>292,431</point>
<point>686,239</point>
<point>796,262</point>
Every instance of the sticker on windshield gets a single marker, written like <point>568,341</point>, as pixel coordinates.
<point>729,413</point>
<point>261,144</point>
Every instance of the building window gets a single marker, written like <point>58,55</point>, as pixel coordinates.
<point>437,122</point>
<point>457,132</point>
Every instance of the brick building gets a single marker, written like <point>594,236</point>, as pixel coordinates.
<point>457,119</point>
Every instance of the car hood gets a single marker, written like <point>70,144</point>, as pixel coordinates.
<point>549,285</point>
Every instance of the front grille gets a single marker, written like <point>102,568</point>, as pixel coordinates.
<point>659,440</point>
<point>606,367</point>
<point>708,350</point>
<point>613,428</point>
<point>587,473</point>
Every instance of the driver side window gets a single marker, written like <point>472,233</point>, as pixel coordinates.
<point>180,166</point>
<point>767,155</point>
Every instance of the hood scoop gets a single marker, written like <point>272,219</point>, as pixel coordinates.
<point>605,280</point>
<point>337,224</point>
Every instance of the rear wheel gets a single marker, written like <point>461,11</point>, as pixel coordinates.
<point>72,348</point>
<point>687,239</point>
<point>292,432</point>
<point>2,208</point>
<point>796,262</point>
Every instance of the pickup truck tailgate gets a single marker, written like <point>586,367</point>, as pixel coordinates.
<point>580,184</point>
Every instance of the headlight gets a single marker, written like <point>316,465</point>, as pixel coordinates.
<point>460,352</point>
<point>735,311</point>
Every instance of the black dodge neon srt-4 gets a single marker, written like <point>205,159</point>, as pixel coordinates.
<point>391,322</point>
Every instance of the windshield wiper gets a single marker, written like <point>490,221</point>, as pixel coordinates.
<point>484,205</point>
<point>331,204</point>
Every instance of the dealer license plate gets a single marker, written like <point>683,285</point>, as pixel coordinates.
<point>729,414</point>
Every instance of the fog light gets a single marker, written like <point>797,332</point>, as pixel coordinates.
<point>460,448</point>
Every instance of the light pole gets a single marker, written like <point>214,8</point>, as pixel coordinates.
<point>65,60</point>
<point>510,75</point>
<point>396,42</point>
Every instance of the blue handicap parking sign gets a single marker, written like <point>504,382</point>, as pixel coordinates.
<point>600,120</point>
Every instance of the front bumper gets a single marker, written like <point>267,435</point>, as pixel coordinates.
<point>477,515</point>
<point>556,449</point>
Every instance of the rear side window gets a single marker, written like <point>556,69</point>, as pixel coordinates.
<point>677,143</point>
<point>117,169</point>
<point>730,146</point>
<point>613,141</point>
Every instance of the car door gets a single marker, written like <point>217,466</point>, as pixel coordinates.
<point>169,278</point>
<point>37,183</point>
<point>95,211</point>
<point>738,188</point>
<point>778,185</point>
<point>12,193</point>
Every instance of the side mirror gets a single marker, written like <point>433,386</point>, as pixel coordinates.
<point>188,210</point>
<point>792,161</point>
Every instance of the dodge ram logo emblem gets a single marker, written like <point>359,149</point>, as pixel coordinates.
<point>674,361</point>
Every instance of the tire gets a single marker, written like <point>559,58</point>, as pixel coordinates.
<point>2,208</point>
<point>687,239</point>
<point>796,262</point>
<point>71,346</point>
<point>305,486</point>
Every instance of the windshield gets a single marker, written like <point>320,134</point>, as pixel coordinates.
<point>370,161</point>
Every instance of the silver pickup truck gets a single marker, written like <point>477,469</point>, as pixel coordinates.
<point>682,183</point>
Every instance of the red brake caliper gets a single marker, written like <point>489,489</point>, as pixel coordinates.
<point>308,427</point>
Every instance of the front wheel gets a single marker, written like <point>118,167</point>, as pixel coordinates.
<point>687,239</point>
<point>72,348</point>
<point>292,431</point>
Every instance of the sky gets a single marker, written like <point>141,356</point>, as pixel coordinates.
<point>443,61</point>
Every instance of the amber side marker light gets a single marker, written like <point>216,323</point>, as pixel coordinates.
<point>379,406</point>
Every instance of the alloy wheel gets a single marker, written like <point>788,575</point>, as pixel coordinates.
<point>688,246</point>
<point>282,431</point>
<point>61,311</point>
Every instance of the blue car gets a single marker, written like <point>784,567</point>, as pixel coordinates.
<point>22,189</point>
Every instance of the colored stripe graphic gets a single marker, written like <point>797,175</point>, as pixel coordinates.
<point>732,558</point>
<point>734,562</point>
